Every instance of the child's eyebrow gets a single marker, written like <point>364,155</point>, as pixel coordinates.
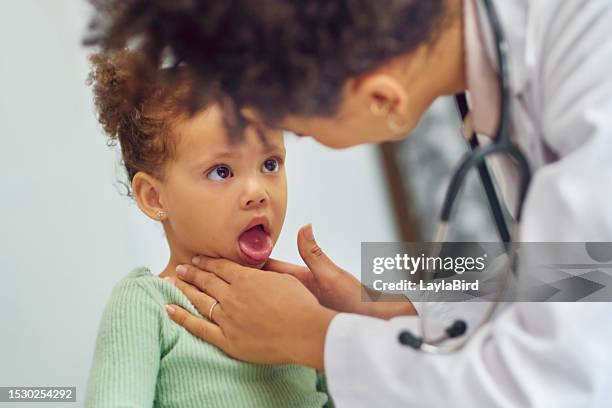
<point>270,148</point>
<point>223,155</point>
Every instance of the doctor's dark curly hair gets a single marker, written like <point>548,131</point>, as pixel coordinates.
<point>279,56</point>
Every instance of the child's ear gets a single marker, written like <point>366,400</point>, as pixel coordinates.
<point>147,193</point>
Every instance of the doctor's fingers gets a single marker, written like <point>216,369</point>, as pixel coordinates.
<point>202,328</point>
<point>300,272</point>
<point>205,281</point>
<point>319,264</point>
<point>200,300</point>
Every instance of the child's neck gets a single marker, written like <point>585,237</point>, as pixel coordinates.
<point>178,255</point>
<point>175,260</point>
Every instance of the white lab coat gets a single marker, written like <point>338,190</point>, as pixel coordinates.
<point>545,354</point>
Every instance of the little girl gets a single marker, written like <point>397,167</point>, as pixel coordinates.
<point>212,197</point>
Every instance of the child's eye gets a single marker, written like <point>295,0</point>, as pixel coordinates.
<point>270,166</point>
<point>220,172</point>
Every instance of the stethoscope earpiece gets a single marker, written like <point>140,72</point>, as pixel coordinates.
<point>458,328</point>
<point>406,338</point>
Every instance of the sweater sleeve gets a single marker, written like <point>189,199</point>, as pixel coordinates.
<point>127,353</point>
<point>322,387</point>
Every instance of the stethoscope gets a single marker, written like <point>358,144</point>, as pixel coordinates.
<point>501,144</point>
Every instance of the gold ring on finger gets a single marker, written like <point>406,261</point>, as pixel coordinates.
<point>211,310</point>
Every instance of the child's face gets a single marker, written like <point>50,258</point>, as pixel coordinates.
<point>214,192</point>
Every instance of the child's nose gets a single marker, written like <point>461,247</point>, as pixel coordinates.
<point>252,203</point>
<point>254,196</point>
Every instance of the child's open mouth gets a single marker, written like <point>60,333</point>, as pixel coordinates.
<point>255,244</point>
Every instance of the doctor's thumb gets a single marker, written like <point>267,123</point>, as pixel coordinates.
<point>311,252</point>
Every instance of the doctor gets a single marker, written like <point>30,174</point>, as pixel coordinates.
<point>350,72</point>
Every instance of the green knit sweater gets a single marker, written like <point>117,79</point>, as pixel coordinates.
<point>144,359</point>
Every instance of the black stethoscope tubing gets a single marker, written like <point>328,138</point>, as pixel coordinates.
<point>501,144</point>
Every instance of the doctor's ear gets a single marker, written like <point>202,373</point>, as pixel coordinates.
<point>147,193</point>
<point>384,96</point>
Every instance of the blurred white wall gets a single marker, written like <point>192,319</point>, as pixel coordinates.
<point>68,235</point>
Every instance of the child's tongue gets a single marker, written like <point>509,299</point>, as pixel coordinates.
<point>256,244</point>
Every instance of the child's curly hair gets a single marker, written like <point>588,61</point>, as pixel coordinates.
<point>139,119</point>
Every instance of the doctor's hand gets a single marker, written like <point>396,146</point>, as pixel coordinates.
<point>334,287</point>
<point>260,317</point>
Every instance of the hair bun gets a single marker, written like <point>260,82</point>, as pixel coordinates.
<point>115,77</point>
